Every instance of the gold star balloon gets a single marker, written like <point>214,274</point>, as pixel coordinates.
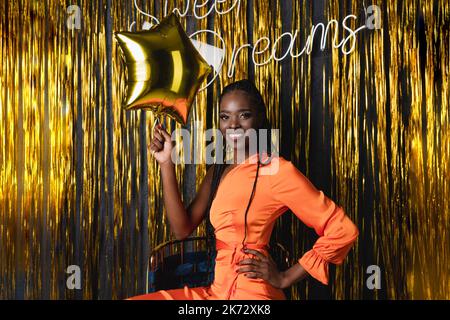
<point>164,69</point>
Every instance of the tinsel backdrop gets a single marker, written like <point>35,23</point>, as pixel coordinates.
<point>370,129</point>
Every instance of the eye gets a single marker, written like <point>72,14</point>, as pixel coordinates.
<point>223,117</point>
<point>246,115</point>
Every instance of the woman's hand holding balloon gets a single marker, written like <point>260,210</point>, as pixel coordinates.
<point>161,145</point>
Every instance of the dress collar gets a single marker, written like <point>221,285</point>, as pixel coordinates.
<point>253,159</point>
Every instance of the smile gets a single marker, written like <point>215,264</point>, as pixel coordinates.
<point>235,136</point>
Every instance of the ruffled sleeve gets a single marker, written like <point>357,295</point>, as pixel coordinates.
<point>337,233</point>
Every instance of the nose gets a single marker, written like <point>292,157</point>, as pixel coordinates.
<point>234,124</point>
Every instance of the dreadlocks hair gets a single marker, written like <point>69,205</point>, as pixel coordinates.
<point>256,98</point>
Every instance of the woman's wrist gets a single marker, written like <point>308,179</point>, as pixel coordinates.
<point>285,283</point>
<point>293,275</point>
<point>167,165</point>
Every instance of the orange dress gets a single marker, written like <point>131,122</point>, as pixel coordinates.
<point>281,186</point>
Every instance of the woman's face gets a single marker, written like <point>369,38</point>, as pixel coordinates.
<point>237,115</point>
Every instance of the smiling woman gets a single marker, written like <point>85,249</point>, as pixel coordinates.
<point>239,227</point>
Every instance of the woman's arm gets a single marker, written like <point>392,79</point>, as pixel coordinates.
<point>177,215</point>
<point>293,275</point>
<point>337,233</point>
<point>182,221</point>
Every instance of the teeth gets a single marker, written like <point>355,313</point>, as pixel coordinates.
<point>235,135</point>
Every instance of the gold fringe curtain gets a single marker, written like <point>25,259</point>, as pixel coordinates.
<point>370,128</point>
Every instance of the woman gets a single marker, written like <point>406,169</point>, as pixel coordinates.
<point>242,201</point>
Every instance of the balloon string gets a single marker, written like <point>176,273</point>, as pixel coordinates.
<point>162,121</point>
<point>154,124</point>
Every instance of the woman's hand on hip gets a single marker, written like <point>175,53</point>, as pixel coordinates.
<point>263,268</point>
